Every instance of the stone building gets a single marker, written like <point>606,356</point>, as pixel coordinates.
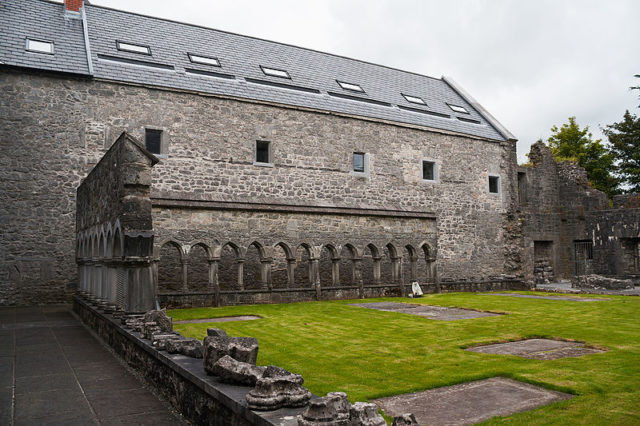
<point>571,229</point>
<point>284,168</point>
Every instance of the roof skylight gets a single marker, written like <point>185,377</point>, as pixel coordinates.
<point>205,60</point>
<point>414,99</point>
<point>458,108</point>
<point>274,72</point>
<point>134,48</point>
<point>350,86</point>
<point>40,46</point>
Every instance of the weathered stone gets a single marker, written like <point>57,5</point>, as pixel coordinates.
<point>405,420</point>
<point>149,329</point>
<point>330,410</point>
<point>216,332</point>
<point>244,349</point>
<point>161,318</point>
<point>278,388</point>
<point>187,347</point>
<point>236,372</point>
<point>159,340</point>
<point>365,414</point>
<point>600,282</point>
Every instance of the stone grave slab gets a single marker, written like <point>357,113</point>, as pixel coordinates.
<point>541,349</point>
<point>531,296</point>
<point>427,311</point>
<point>471,402</point>
<point>220,319</point>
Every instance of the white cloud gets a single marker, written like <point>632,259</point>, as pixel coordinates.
<point>532,64</point>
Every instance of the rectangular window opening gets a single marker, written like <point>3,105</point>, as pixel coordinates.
<point>274,72</point>
<point>40,46</point>
<point>494,184</point>
<point>134,48</point>
<point>351,86</point>
<point>429,170</point>
<point>153,140</point>
<point>458,108</point>
<point>205,60</point>
<point>262,152</point>
<point>522,188</point>
<point>358,162</point>
<point>414,99</point>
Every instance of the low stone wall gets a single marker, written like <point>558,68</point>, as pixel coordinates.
<point>179,379</point>
<point>252,297</point>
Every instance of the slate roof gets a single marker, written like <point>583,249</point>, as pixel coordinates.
<point>314,75</point>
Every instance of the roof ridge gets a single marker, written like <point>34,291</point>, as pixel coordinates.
<point>261,39</point>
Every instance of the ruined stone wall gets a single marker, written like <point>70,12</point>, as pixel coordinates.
<point>55,129</point>
<point>616,238</point>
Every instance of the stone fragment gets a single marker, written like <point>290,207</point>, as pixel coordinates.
<point>159,340</point>
<point>278,388</point>
<point>330,410</point>
<point>600,282</point>
<point>161,318</point>
<point>365,414</point>
<point>405,420</point>
<point>244,349</point>
<point>188,347</point>
<point>216,332</point>
<point>237,372</point>
<point>149,328</point>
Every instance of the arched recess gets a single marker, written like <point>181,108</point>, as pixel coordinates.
<point>279,268</point>
<point>198,267</point>
<point>101,245</point>
<point>370,265</point>
<point>117,244</point>
<point>109,243</point>
<point>228,268</point>
<point>303,266</point>
<point>347,254</point>
<point>253,279</point>
<point>329,266</point>
<point>387,274</point>
<point>428,266</point>
<point>408,264</point>
<point>170,267</point>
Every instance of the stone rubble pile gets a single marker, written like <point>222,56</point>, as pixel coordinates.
<point>543,271</point>
<point>334,409</point>
<point>594,281</point>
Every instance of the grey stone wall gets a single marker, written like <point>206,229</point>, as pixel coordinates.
<point>54,129</point>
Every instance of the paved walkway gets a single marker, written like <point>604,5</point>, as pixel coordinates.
<point>54,372</point>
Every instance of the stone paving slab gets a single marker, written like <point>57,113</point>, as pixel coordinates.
<point>440,313</point>
<point>220,319</point>
<point>471,402</point>
<point>541,349</point>
<point>531,296</point>
<point>54,372</point>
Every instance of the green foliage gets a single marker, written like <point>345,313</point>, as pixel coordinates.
<point>371,354</point>
<point>624,137</point>
<point>570,142</point>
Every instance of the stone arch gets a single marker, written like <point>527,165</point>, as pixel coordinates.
<point>101,245</point>
<point>118,251</point>
<point>388,264</point>
<point>329,265</point>
<point>408,268</point>
<point>302,273</point>
<point>429,262</point>
<point>371,264</point>
<point>283,261</point>
<point>230,260</point>
<point>347,270</point>
<point>170,272</point>
<point>108,252</point>
<point>198,267</point>
<point>253,271</point>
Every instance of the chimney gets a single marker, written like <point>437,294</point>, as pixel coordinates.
<point>72,5</point>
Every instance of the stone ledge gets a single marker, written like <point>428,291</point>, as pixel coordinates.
<point>200,398</point>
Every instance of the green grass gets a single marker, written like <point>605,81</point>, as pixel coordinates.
<point>370,354</point>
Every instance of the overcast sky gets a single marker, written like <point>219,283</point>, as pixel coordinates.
<point>531,64</point>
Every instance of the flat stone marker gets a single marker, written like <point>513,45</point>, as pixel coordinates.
<point>471,402</point>
<point>530,296</point>
<point>542,349</point>
<point>427,311</point>
<point>220,319</point>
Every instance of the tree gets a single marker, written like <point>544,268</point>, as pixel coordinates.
<point>636,87</point>
<point>624,137</point>
<point>570,142</point>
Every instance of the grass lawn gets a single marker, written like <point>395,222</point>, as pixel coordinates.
<point>369,354</point>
